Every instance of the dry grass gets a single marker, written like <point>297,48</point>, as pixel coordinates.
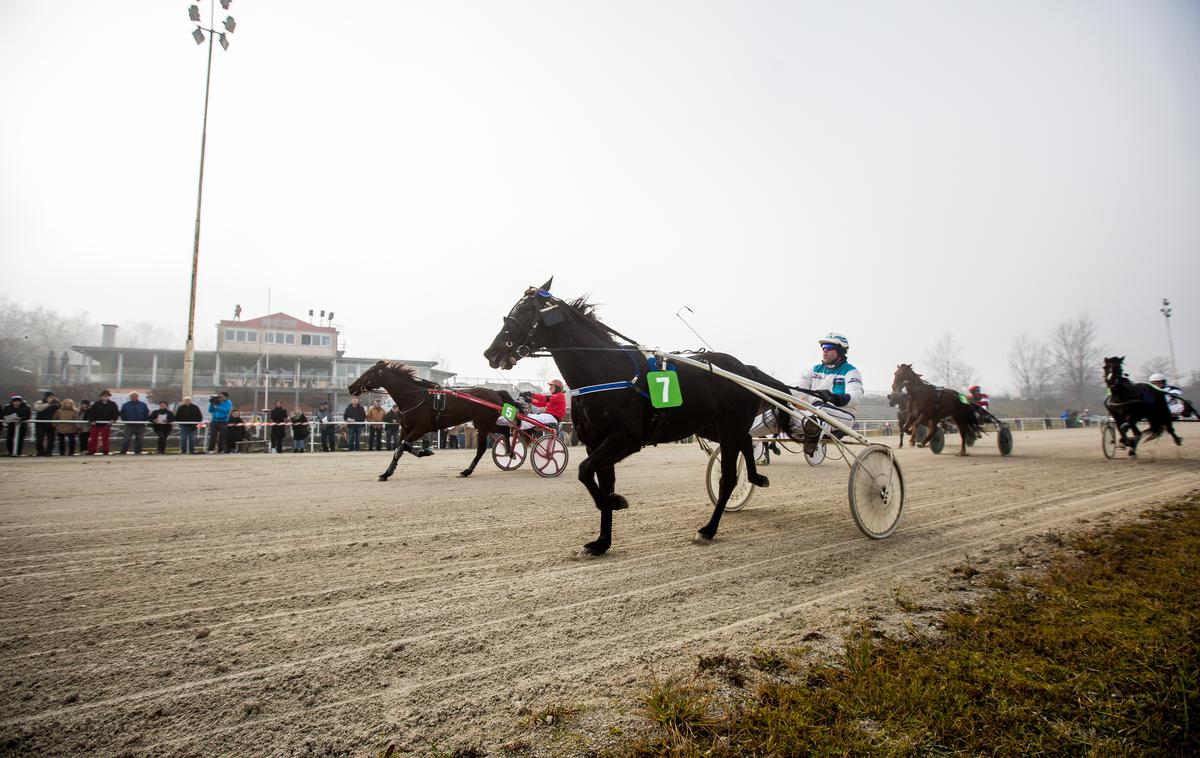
<point>1099,656</point>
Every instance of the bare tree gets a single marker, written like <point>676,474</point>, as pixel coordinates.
<point>1029,362</point>
<point>1075,356</point>
<point>1159,364</point>
<point>29,335</point>
<point>945,363</point>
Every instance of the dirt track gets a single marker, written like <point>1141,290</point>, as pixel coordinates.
<point>279,605</point>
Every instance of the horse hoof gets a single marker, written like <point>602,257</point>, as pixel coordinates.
<point>701,538</point>
<point>423,453</point>
<point>383,477</point>
<point>465,474</point>
<point>596,547</point>
<point>760,480</point>
<point>617,502</point>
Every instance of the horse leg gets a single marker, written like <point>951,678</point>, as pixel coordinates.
<point>752,475</point>
<point>596,473</point>
<point>391,469</point>
<point>729,454</point>
<point>1133,441</point>
<point>480,448</point>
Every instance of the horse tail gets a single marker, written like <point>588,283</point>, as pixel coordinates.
<point>968,424</point>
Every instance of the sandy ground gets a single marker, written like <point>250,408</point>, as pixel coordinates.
<point>288,605</point>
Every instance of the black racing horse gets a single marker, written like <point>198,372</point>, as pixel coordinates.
<point>1129,403</point>
<point>422,412</point>
<point>928,404</point>
<point>615,423</point>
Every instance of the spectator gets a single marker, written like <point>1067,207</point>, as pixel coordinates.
<point>66,429</point>
<point>278,419</point>
<point>188,416</point>
<point>354,416</point>
<point>85,407</point>
<point>44,411</point>
<point>135,414</point>
<point>16,415</point>
<point>375,416</point>
<point>299,430</point>
<point>100,418</point>
<point>391,427</point>
<point>235,430</point>
<point>220,408</point>
<point>324,417</point>
<point>162,418</point>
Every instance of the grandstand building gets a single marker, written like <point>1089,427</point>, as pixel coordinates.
<point>275,357</point>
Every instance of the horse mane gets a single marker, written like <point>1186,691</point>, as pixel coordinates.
<point>409,372</point>
<point>582,306</point>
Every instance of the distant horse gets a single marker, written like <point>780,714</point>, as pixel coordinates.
<point>1129,403</point>
<point>421,412</point>
<point>928,404</point>
<point>610,403</point>
<point>900,401</point>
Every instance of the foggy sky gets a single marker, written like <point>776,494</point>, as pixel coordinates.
<point>890,170</point>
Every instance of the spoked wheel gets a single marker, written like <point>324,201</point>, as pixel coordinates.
<point>876,492</point>
<point>742,491</point>
<point>549,456</point>
<point>1108,440</point>
<point>818,455</point>
<point>1004,440</point>
<point>509,462</point>
<point>938,443</point>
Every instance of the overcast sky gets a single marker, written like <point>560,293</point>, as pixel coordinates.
<point>891,170</point>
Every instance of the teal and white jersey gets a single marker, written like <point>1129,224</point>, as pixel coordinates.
<point>842,379</point>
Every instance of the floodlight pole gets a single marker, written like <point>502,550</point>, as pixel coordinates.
<point>1165,310</point>
<point>189,350</point>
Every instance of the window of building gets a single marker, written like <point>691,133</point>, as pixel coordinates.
<point>240,335</point>
<point>280,338</point>
<point>316,340</point>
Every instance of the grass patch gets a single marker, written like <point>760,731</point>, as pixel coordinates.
<point>1100,655</point>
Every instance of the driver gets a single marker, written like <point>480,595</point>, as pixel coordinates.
<point>554,405</point>
<point>1175,401</point>
<point>834,386</point>
<point>977,398</point>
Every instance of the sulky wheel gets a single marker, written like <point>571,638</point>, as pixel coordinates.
<point>1004,440</point>
<point>509,462</point>
<point>1108,440</point>
<point>876,492</point>
<point>938,443</point>
<point>549,456</point>
<point>742,491</point>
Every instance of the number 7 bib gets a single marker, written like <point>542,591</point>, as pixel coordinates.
<point>664,389</point>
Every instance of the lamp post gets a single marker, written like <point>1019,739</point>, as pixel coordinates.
<point>189,350</point>
<point>1165,310</point>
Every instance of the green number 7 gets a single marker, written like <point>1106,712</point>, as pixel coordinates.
<point>664,389</point>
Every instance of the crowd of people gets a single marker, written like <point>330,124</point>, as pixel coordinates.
<point>64,428</point>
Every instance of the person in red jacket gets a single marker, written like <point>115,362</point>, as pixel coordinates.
<point>553,406</point>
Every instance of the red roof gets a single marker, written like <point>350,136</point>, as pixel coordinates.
<point>261,323</point>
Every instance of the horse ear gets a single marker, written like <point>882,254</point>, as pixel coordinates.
<point>546,286</point>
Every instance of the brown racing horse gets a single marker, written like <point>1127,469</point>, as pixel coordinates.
<point>422,412</point>
<point>927,405</point>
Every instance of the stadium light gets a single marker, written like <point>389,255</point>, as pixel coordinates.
<point>189,351</point>
<point>1165,310</point>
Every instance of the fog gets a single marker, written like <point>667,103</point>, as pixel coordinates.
<point>893,171</point>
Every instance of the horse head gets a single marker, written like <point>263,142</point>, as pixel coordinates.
<point>1114,370</point>
<point>370,379</point>
<point>904,374</point>
<point>522,333</point>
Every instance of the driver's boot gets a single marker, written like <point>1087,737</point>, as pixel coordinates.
<point>812,435</point>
